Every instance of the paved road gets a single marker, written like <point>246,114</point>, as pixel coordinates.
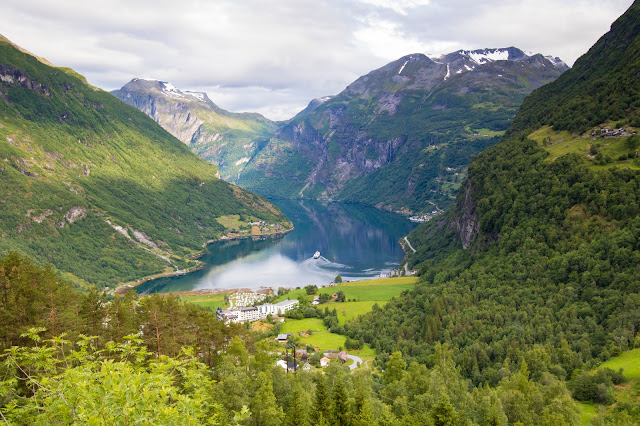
<point>356,361</point>
<point>410,246</point>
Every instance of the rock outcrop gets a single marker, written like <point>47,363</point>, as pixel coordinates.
<point>466,223</point>
<point>401,136</point>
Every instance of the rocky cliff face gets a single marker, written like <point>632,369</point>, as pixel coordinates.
<point>401,136</point>
<point>466,223</point>
<point>221,137</point>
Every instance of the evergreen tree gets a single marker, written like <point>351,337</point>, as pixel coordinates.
<point>321,403</point>
<point>264,409</point>
<point>340,408</point>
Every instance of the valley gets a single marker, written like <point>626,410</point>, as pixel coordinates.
<point>453,239</point>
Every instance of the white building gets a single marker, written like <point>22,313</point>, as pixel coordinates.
<point>276,308</point>
<point>254,313</point>
<point>250,313</point>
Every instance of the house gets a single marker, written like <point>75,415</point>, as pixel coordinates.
<point>302,354</point>
<point>282,363</point>
<point>324,361</point>
<point>284,306</point>
<point>306,367</point>
<point>331,354</point>
<point>342,356</point>
<point>282,338</point>
<point>316,301</point>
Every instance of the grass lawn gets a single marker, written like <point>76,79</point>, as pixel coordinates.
<point>588,411</point>
<point>561,143</point>
<point>325,340</point>
<point>211,301</point>
<point>349,310</point>
<point>381,290</point>
<point>629,361</point>
<point>296,326</point>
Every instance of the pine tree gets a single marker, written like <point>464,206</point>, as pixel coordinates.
<point>264,408</point>
<point>341,412</point>
<point>321,402</point>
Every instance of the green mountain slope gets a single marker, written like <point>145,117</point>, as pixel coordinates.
<point>540,258</point>
<point>224,138</point>
<point>95,187</point>
<point>402,136</point>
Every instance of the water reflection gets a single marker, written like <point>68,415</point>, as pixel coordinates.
<point>356,242</point>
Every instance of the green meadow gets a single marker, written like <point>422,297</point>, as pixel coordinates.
<point>629,361</point>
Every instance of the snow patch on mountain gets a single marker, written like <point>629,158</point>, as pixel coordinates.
<point>198,95</point>
<point>488,56</point>
<point>402,67</point>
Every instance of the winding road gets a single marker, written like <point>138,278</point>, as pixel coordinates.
<point>410,246</point>
<point>356,361</point>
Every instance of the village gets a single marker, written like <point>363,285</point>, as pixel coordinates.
<point>303,325</point>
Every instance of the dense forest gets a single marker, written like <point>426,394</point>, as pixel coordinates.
<point>74,357</point>
<point>539,260</point>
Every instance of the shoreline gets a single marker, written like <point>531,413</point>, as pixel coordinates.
<point>121,289</point>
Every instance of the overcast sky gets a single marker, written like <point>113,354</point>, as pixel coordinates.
<point>274,56</point>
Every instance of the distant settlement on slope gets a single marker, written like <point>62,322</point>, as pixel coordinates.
<point>254,313</point>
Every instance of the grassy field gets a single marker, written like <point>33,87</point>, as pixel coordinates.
<point>366,294</point>
<point>212,301</point>
<point>380,290</point>
<point>629,361</point>
<point>307,324</point>
<point>350,310</point>
<point>561,143</point>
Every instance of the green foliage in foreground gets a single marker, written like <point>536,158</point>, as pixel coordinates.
<point>123,384</point>
<point>155,360</point>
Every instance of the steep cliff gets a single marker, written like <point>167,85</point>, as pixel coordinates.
<point>401,136</point>
<point>224,138</point>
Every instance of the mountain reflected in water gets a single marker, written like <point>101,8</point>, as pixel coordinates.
<point>355,241</point>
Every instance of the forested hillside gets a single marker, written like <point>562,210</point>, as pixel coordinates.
<point>539,260</point>
<point>98,189</point>
<point>400,137</point>
<point>74,358</point>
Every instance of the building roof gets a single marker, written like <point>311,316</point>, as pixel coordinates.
<point>283,336</point>
<point>286,302</point>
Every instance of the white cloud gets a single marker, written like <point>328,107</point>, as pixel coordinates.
<point>274,57</point>
<point>399,6</point>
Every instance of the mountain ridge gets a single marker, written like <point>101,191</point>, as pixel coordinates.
<point>95,187</point>
<point>399,131</point>
<point>221,137</point>
<point>538,258</point>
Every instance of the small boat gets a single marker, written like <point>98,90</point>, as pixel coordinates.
<point>316,255</point>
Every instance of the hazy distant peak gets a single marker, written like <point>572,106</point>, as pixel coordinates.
<point>165,88</point>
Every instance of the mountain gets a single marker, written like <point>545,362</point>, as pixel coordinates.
<point>224,138</point>
<point>401,136</point>
<point>98,189</point>
<point>540,256</point>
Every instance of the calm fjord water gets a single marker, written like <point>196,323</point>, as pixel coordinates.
<point>355,241</point>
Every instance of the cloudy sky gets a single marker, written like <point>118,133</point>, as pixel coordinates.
<point>274,56</point>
